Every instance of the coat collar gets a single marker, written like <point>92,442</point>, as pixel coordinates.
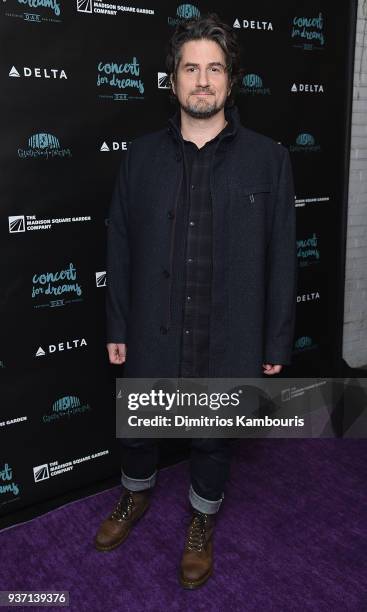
<point>231,114</point>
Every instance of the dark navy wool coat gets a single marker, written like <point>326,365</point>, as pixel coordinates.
<point>254,255</point>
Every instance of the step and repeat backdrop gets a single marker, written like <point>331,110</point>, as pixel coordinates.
<point>79,80</point>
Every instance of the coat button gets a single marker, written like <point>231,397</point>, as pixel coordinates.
<point>163,329</point>
<point>171,214</point>
<point>166,273</point>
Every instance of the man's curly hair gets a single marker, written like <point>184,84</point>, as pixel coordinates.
<point>212,28</point>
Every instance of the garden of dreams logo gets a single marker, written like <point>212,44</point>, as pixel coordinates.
<point>252,84</point>
<point>43,145</point>
<point>305,143</point>
<point>184,11</point>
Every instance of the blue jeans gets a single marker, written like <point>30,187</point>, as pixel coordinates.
<point>210,460</point>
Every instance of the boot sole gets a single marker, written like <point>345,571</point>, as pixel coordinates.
<point>101,548</point>
<point>190,584</point>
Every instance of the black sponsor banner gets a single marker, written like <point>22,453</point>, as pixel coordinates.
<point>79,80</point>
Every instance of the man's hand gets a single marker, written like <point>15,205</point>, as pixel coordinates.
<point>269,368</point>
<point>116,353</point>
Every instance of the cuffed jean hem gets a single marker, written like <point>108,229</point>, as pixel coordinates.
<point>204,505</point>
<point>138,484</point>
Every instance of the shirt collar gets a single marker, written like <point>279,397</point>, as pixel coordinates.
<point>231,114</point>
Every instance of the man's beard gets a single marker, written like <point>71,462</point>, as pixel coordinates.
<point>197,111</point>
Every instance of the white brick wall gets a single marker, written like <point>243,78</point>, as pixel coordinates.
<point>355,297</point>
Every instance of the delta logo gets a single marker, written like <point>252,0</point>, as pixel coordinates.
<point>252,24</point>
<point>38,73</point>
<point>308,297</point>
<point>66,345</point>
<point>184,12</point>
<point>114,145</point>
<point>307,88</point>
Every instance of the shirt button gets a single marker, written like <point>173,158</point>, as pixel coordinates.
<point>189,298</point>
<point>190,260</point>
<point>187,331</point>
<point>192,186</point>
<point>192,223</point>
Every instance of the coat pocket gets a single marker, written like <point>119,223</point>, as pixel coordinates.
<point>250,214</point>
<point>253,193</point>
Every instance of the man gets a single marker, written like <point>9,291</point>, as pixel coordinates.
<point>201,268</point>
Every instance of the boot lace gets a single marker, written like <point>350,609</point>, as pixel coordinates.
<point>123,508</point>
<point>197,531</point>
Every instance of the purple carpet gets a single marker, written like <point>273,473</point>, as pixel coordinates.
<point>290,536</point>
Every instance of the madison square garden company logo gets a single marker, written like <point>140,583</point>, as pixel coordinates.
<point>26,223</point>
<point>43,145</point>
<point>34,11</point>
<point>163,81</point>
<point>120,81</point>
<point>310,200</point>
<point>252,84</point>
<point>307,32</point>
<point>85,6</point>
<point>101,279</point>
<point>305,143</point>
<point>109,8</point>
<point>54,468</point>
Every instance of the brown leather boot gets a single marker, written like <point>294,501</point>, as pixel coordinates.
<point>115,528</point>
<point>197,559</point>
